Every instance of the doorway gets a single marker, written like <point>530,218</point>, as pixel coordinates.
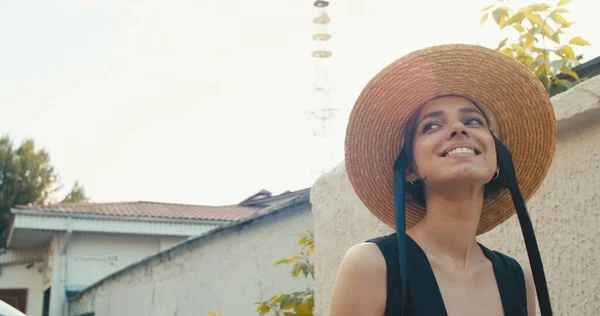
<point>16,298</point>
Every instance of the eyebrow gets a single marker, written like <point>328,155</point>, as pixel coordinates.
<point>440,112</point>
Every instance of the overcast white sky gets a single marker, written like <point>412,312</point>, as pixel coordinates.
<point>203,101</point>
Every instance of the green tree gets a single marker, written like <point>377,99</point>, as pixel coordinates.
<point>26,176</point>
<point>536,39</point>
<point>77,194</point>
<point>297,303</point>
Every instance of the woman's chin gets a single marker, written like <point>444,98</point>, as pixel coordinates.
<point>465,179</point>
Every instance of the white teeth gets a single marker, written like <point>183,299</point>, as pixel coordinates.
<point>460,150</point>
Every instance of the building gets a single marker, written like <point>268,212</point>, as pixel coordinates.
<point>55,251</point>
<point>225,270</point>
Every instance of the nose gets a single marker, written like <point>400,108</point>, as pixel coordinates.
<point>458,129</point>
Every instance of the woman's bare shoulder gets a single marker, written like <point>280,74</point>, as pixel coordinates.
<point>365,255</point>
<point>360,285</point>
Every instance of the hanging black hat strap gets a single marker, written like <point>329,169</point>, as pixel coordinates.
<point>399,201</point>
<point>533,252</point>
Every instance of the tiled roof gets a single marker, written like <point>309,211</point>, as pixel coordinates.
<point>150,209</point>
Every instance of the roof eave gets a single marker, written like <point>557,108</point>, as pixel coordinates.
<point>16,211</point>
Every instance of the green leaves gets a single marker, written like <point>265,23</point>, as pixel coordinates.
<point>263,308</point>
<point>293,258</point>
<point>77,194</point>
<point>577,40</point>
<point>488,7</point>
<point>564,69</point>
<point>307,241</point>
<point>534,18</point>
<point>563,2</point>
<point>559,19</point>
<point>500,14</point>
<point>26,176</point>
<point>483,18</point>
<point>502,43</point>
<point>538,43</point>
<point>297,303</point>
<point>303,267</point>
<point>514,19</point>
<point>566,52</point>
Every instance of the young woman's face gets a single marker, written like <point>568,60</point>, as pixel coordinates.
<point>452,144</point>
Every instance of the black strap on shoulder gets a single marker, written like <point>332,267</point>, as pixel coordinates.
<point>533,252</point>
<point>517,274</point>
<point>510,280</point>
<point>399,204</point>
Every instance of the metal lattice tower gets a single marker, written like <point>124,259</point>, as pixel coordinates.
<point>321,113</point>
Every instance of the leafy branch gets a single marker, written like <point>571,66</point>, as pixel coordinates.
<point>297,303</point>
<point>535,24</point>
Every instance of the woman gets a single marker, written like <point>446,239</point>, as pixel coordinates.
<point>430,147</point>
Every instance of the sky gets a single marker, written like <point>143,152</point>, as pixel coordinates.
<point>203,101</point>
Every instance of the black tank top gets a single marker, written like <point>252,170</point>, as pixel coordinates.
<point>424,297</point>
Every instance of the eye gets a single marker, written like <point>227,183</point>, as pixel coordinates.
<point>429,126</point>
<point>473,121</point>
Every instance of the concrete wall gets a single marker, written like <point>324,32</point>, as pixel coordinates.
<point>565,212</point>
<point>91,257</point>
<point>18,276</point>
<point>168,242</point>
<point>225,271</point>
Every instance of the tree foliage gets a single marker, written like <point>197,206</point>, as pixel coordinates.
<point>27,176</point>
<point>536,41</point>
<point>297,303</point>
<point>77,194</point>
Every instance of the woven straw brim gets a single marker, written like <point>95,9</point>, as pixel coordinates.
<point>508,91</point>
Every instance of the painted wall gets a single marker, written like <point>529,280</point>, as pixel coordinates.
<point>226,271</point>
<point>91,257</point>
<point>18,276</point>
<point>94,256</point>
<point>168,242</point>
<point>565,212</point>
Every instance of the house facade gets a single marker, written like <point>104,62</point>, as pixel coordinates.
<point>55,251</point>
<point>225,270</point>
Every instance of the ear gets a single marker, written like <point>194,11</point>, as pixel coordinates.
<point>410,176</point>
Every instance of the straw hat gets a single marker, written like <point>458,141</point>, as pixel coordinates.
<point>512,97</point>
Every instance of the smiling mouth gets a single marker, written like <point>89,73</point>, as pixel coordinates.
<point>462,151</point>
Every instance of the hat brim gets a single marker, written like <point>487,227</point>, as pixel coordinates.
<point>523,117</point>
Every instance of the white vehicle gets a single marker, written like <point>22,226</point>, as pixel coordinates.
<point>7,310</point>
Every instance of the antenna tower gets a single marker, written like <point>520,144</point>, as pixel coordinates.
<point>321,113</point>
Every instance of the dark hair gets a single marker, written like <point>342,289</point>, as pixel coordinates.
<point>416,192</point>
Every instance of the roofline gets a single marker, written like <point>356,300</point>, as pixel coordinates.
<point>124,217</point>
<point>270,211</point>
<point>583,67</point>
<point>30,206</point>
<point>588,64</point>
<point>272,198</point>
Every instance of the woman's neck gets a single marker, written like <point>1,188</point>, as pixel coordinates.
<point>449,227</point>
